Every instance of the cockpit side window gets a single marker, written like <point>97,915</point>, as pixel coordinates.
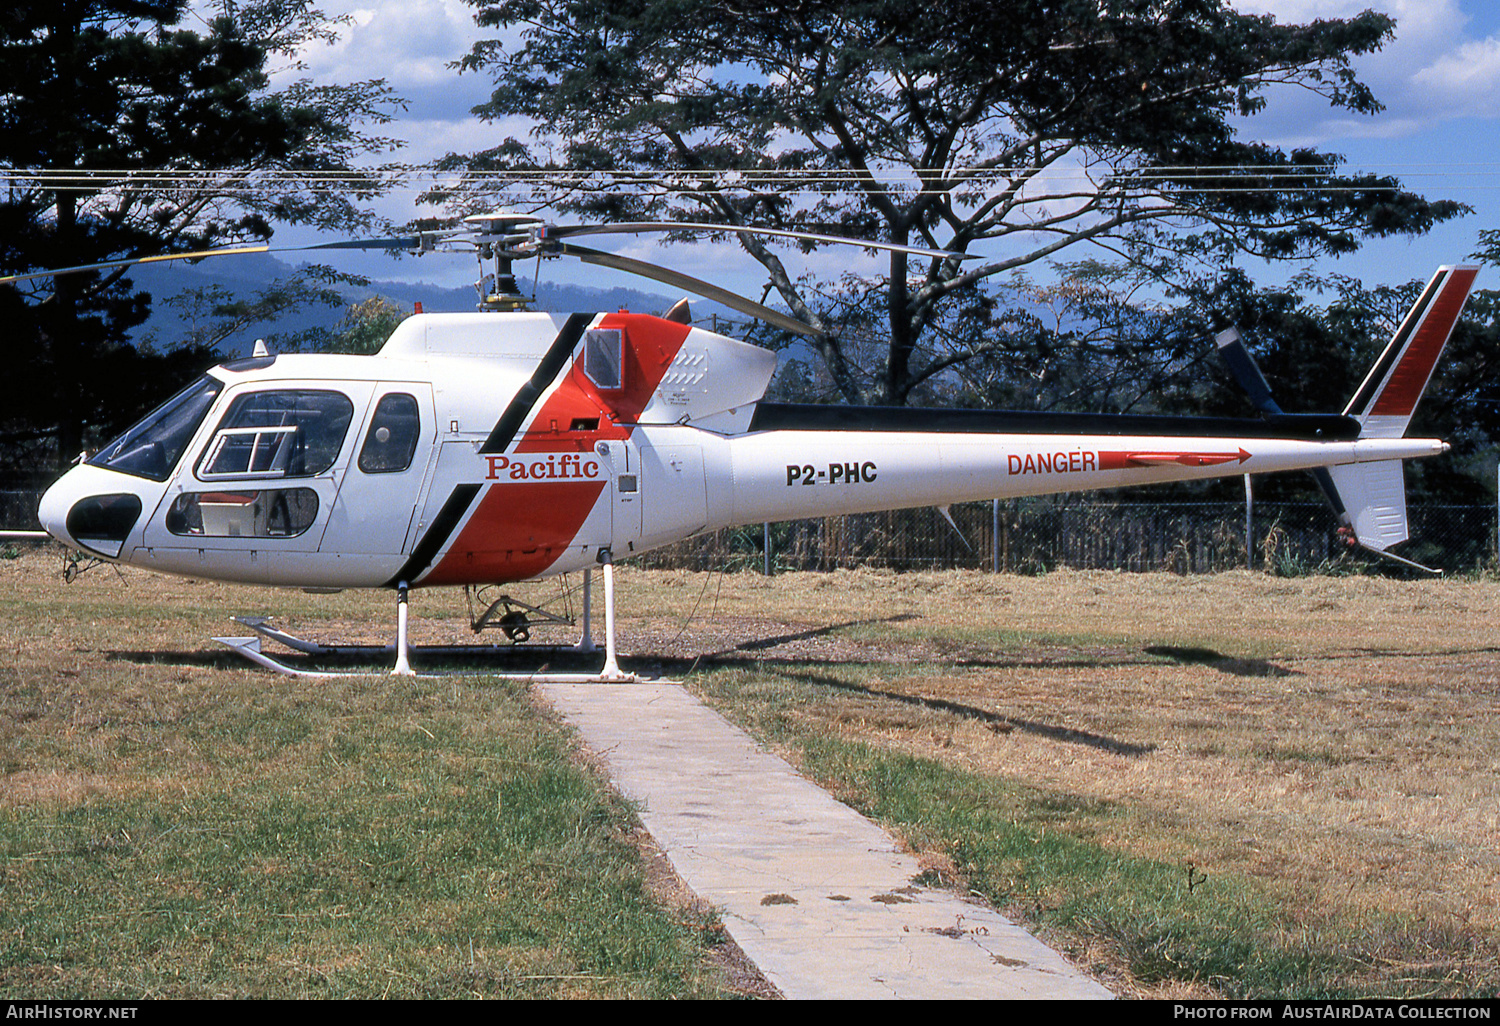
<point>153,446</point>
<point>392,438</point>
<point>283,433</point>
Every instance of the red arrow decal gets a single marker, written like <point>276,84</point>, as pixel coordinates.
<point>1127,460</point>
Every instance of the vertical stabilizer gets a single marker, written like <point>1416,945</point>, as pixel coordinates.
<point>1385,401</point>
<point>1370,498</point>
<point>1374,496</point>
<point>1374,499</point>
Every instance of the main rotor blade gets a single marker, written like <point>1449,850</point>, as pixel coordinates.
<point>403,242</point>
<point>395,242</point>
<point>563,231</point>
<point>689,284</point>
<point>80,268</point>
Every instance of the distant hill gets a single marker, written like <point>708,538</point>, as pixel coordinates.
<point>242,276</point>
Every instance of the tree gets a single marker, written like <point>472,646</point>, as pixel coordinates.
<point>216,315</point>
<point>1016,130</point>
<point>123,134</point>
<point>365,327</point>
<point>1083,343</point>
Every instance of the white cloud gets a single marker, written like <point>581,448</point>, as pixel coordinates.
<point>388,37</point>
<point>1431,71</point>
<point>412,45</point>
<point>1466,79</point>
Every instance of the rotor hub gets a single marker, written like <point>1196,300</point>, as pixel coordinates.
<point>502,237</point>
<point>505,230</point>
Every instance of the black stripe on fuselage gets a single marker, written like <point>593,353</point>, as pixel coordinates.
<point>437,535</point>
<point>1296,426</point>
<point>546,372</point>
<point>516,412</point>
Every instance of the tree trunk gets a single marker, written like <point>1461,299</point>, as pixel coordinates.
<point>903,343</point>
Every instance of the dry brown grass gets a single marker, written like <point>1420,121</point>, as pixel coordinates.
<point>1335,738</point>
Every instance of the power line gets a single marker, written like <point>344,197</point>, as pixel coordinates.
<point>1180,180</point>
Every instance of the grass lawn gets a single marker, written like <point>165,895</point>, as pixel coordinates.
<point>1237,785</point>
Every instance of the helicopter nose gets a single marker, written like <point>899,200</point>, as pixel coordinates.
<point>53,511</point>
<point>98,522</point>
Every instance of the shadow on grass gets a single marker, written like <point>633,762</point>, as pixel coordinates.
<point>479,663</point>
<point>760,644</point>
<point>522,660</point>
<point>996,721</point>
<point>1191,656</point>
<point>795,669</point>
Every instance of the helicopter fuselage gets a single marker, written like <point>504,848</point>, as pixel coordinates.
<point>495,447</point>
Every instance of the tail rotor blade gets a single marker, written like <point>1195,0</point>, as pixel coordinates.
<point>1245,370</point>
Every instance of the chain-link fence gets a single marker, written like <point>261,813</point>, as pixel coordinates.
<point>1036,535</point>
<point>18,509</point>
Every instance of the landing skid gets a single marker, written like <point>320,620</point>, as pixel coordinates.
<point>251,650</point>
<point>261,625</point>
<point>250,647</point>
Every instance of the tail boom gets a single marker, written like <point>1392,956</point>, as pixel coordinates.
<point>834,472</point>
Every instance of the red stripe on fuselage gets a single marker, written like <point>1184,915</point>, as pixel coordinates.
<point>1133,460</point>
<point>519,529</point>
<point>651,344</point>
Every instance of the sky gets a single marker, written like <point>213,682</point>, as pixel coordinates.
<point>1439,81</point>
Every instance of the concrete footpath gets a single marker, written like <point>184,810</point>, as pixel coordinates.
<point>817,896</point>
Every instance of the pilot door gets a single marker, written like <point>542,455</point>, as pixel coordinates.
<point>262,488</point>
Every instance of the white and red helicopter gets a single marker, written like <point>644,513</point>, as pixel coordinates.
<point>495,447</point>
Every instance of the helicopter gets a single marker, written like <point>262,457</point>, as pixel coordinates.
<point>508,444</point>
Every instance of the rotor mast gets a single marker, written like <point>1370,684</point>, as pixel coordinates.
<point>499,240</point>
